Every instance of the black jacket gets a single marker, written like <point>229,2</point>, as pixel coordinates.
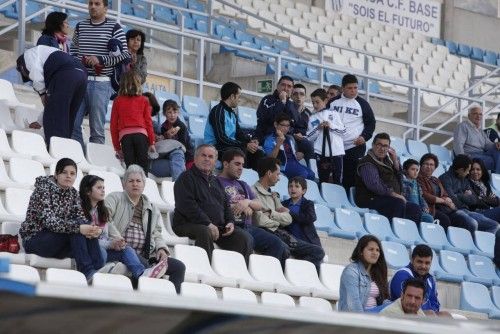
<point>270,106</point>
<point>217,119</point>
<point>305,219</point>
<point>182,136</point>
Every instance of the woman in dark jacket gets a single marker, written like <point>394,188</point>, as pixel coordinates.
<point>55,33</point>
<point>487,200</point>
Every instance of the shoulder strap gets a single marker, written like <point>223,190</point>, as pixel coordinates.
<point>147,243</point>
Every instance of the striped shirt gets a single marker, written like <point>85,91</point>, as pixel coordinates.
<point>372,297</point>
<point>92,40</point>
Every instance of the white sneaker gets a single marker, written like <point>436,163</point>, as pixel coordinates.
<point>119,269</point>
<point>108,267</point>
<point>156,271</point>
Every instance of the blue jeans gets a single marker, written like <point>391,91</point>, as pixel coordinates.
<point>95,103</point>
<point>294,168</point>
<point>427,217</point>
<point>480,222</point>
<point>303,250</point>
<point>493,213</point>
<point>491,159</point>
<point>391,207</point>
<point>268,243</point>
<point>128,257</point>
<point>87,252</point>
<point>172,164</point>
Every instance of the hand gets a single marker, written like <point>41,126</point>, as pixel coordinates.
<point>91,60</point>
<point>267,213</point>
<point>426,210</point>
<point>43,97</point>
<point>119,154</point>
<point>392,154</point>
<point>298,136</point>
<point>452,206</point>
<point>248,212</point>
<point>34,125</point>
<point>398,196</point>
<point>283,96</point>
<point>214,231</point>
<point>239,208</point>
<point>118,244</point>
<point>152,149</point>
<point>299,156</point>
<point>282,209</point>
<point>90,231</point>
<point>324,125</point>
<point>172,132</point>
<point>252,147</point>
<point>161,255</point>
<point>280,137</point>
<point>359,141</point>
<point>229,229</point>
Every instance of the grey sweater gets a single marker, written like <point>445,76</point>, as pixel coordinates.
<point>468,139</point>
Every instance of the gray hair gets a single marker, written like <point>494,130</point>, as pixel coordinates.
<point>134,169</point>
<point>202,146</point>
<point>473,106</point>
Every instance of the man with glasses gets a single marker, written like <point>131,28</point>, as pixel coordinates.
<point>379,182</point>
<point>469,139</point>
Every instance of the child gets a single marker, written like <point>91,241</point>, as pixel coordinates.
<point>174,128</point>
<point>302,212</point>
<point>92,197</point>
<point>131,127</point>
<point>326,130</point>
<point>412,191</point>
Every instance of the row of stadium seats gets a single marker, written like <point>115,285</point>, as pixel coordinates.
<point>464,50</point>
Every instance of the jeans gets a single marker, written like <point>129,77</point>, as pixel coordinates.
<point>87,252</point>
<point>95,103</point>
<point>128,257</point>
<point>480,222</point>
<point>135,150</point>
<point>267,243</point>
<point>493,213</point>
<point>391,207</point>
<point>496,252</point>
<point>171,164</point>
<point>427,218</point>
<point>295,168</point>
<point>491,159</point>
<point>350,163</point>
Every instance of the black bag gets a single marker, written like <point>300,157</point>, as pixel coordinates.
<point>445,209</point>
<point>146,250</point>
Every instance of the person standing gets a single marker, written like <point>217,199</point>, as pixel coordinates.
<point>56,31</point>
<point>135,43</point>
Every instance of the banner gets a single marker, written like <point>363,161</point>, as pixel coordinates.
<point>421,16</point>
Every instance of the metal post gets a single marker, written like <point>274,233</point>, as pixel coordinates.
<point>201,59</point>
<point>151,17</point>
<point>416,115</point>
<point>21,32</point>
<point>412,109</point>
<point>366,80</point>
<point>277,73</point>
<point>322,62</point>
<point>179,85</point>
<point>210,30</point>
<point>119,10</point>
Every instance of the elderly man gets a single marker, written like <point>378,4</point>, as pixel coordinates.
<point>469,139</point>
<point>202,209</point>
<point>139,223</point>
<point>411,301</point>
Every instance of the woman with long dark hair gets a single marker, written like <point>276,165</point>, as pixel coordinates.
<point>55,33</point>
<point>487,201</point>
<point>363,284</point>
<point>135,44</point>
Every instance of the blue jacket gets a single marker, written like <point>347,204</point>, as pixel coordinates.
<point>431,295</point>
<point>270,106</point>
<point>223,128</point>
<point>456,187</point>
<point>355,285</point>
<point>305,220</point>
<point>270,143</point>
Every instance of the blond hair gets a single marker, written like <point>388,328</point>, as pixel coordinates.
<point>130,84</point>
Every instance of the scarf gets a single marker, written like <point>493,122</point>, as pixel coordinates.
<point>62,39</point>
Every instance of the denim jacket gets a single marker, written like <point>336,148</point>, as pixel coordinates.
<point>355,285</point>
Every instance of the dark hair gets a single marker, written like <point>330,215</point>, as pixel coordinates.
<point>63,163</point>
<point>170,104</point>
<point>228,89</point>
<point>285,77</point>
<point>282,117</point>
<point>485,176</point>
<point>133,33</point>
<point>22,69</point>
<point>299,180</point>
<point>105,3</point>
<point>337,87</point>
<point>428,156</point>
<point>267,164</point>
<point>460,161</point>
<point>421,250</point>
<point>498,115</point>
<point>408,163</point>
<point>381,135</point>
<point>86,185</point>
<point>349,79</point>
<point>321,93</point>
<point>232,153</point>
<point>378,272</point>
<point>153,102</point>
<point>53,23</point>
<point>299,85</point>
<point>414,282</point>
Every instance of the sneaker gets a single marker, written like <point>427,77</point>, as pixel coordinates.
<point>108,267</point>
<point>156,271</point>
<point>119,269</point>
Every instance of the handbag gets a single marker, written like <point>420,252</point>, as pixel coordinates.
<point>9,243</point>
<point>166,146</point>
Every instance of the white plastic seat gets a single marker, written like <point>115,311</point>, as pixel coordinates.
<point>303,273</point>
<point>157,286</point>
<point>341,60</point>
<point>24,171</point>
<point>277,299</point>
<point>31,144</point>
<point>6,151</point>
<point>153,194</point>
<point>79,175</point>
<point>6,181</point>
<point>22,273</point>
<point>11,228</point>
<point>315,304</point>
<point>198,290</point>
<point>69,148</point>
<point>112,182</point>
<point>7,93</point>
<point>7,216</point>
<point>268,269</point>
<point>24,115</point>
<point>330,276</point>
<point>232,265</point>
<point>167,192</point>
<point>297,42</point>
<point>198,268</point>
<point>239,295</point>
<point>65,277</point>
<point>48,262</point>
<point>169,235</point>
<point>19,258</point>
<point>104,155</point>
<point>16,200</point>
<point>111,282</point>
<point>6,121</point>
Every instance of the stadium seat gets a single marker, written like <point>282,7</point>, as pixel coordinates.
<point>6,181</point>
<point>250,176</point>
<point>111,282</point>
<point>435,237</point>
<point>277,299</point>
<point>104,155</point>
<point>24,171</point>
<point>336,197</point>
<point>197,128</point>
<point>198,268</point>
<point>330,277</point>
<point>464,50</point>
<point>31,144</point>
<point>303,273</point>
<point>238,295</point>
<point>495,181</point>
<point>396,255</point>
<point>22,273</point>
<point>247,117</point>
<point>8,216</point>
<point>333,78</point>
<point>194,106</point>
<point>232,265</point>
<point>313,193</point>
<point>454,264</point>
<point>495,295</point>
<point>7,93</point>
<point>416,148</point>
<point>477,53</point>
<point>485,242</point>
<point>6,151</point>
<point>162,96</point>
<point>68,148</point>
<point>350,224</point>
<point>324,218</point>
<point>281,187</point>
<point>47,262</point>
<point>475,297</point>
<point>156,286</point>
<point>439,170</point>
<point>380,226</point>
<point>268,269</point>
<point>406,229</point>
<point>167,192</point>
<point>490,57</point>
<point>399,145</point>
<point>461,238</point>
<point>65,277</point>
<point>315,304</point>
<point>112,182</point>
<point>16,200</point>
<point>153,194</point>
<point>198,290</point>
<point>482,266</point>
<point>6,121</point>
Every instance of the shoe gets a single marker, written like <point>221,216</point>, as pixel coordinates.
<point>108,267</point>
<point>156,271</point>
<point>119,269</point>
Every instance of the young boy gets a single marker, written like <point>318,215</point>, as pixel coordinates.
<point>412,191</point>
<point>326,130</point>
<point>302,212</point>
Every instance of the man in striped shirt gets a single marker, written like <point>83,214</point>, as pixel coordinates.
<point>90,45</point>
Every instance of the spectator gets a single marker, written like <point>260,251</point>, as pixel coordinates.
<point>56,31</point>
<point>470,140</point>
<point>302,211</point>
<point>379,183</point>
<point>300,129</point>
<point>411,300</point>
<point>112,248</point>
<point>202,209</point>
<point>153,102</point>
<point>326,130</point>
<point>139,222</point>
<point>280,145</point>
<point>55,224</point>
<point>223,128</point>
<point>90,45</point>
<point>135,44</point>
<point>244,203</point>
<point>459,189</point>
<point>275,217</point>
<point>131,126</point>
<point>493,131</point>
<point>479,179</point>
<point>60,80</point>
<point>359,122</point>
<point>412,190</point>
<point>363,284</point>
<point>333,91</point>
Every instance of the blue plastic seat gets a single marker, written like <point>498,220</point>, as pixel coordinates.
<point>407,230</point>
<point>333,78</point>
<point>452,46</point>
<point>439,170</point>
<point>475,297</point>
<point>194,106</point>
<point>335,197</point>
<point>380,226</point>
<point>312,73</point>
<point>396,254</point>
<point>435,237</point>
<point>477,54</point>
<point>281,44</point>
<point>399,145</point>
<point>197,127</point>
<point>416,148</point>
<point>495,295</point>
<point>196,5</point>
<point>485,242</point>
<point>201,25</point>
<point>221,30</point>
<point>464,50</point>
<point>296,70</point>
<point>495,181</point>
<point>461,238</point>
<point>374,87</point>
<point>313,193</point>
<point>247,117</point>
<point>249,176</point>
<point>437,41</point>
<point>483,267</point>
<point>281,187</point>
<point>349,223</point>
<point>162,96</point>
<point>262,40</point>
<point>178,3</point>
<point>324,218</point>
<point>443,154</point>
<point>243,36</point>
<point>454,264</point>
<point>490,57</point>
